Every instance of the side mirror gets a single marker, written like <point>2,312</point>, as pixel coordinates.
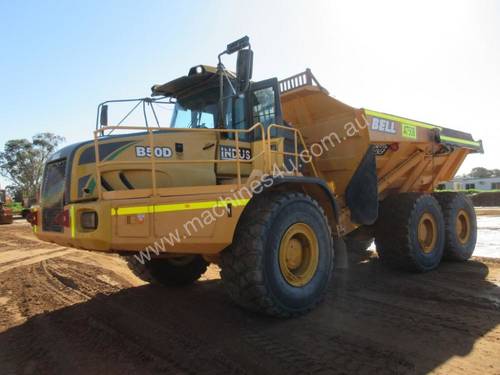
<point>103,119</point>
<point>244,67</point>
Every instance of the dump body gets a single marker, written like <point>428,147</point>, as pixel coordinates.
<point>410,156</point>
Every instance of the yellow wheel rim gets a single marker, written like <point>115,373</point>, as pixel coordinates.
<point>462,227</point>
<point>299,254</point>
<point>427,232</point>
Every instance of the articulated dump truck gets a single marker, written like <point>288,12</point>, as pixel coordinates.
<point>263,178</point>
<point>6,216</point>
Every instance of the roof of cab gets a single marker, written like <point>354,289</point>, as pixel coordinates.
<point>198,76</point>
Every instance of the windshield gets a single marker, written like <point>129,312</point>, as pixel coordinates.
<point>201,111</point>
<point>53,195</point>
<point>203,117</point>
<point>53,184</point>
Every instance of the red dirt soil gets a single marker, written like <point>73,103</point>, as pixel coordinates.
<point>71,311</point>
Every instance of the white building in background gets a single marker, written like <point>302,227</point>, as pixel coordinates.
<point>461,183</point>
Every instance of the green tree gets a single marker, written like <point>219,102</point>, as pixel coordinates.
<point>495,173</point>
<point>480,172</point>
<point>22,162</point>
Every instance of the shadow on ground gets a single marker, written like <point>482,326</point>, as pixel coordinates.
<point>372,321</point>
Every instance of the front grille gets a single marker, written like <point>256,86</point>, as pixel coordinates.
<point>53,195</point>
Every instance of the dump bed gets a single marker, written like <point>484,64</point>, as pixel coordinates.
<point>409,155</point>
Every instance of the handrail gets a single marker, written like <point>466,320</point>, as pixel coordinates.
<point>153,160</point>
<point>266,152</point>
<point>145,100</point>
<point>297,135</point>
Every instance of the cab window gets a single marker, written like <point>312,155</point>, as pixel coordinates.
<point>263,106</point>
<point>234,113</point>
<point>234,116</point>
<point>194,118</point>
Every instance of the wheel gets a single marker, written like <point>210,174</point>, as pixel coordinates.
<point>358,246</point>
<point>281,259</point>
<point>460,225</point>
<point>409,232</point>
<point>177,271</point>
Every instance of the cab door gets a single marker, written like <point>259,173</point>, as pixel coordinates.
<point>235,117</point>
<point>264,103</point>
<point>260,104</point>
<point>265,107</point>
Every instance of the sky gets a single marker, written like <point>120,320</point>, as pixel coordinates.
<point>434,61</point>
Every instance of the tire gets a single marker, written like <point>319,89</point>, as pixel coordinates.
<point>358,246</point>
<point>177,271</point>
<point>258,269</point>
<point>460,225</point>
<point>409,233</point>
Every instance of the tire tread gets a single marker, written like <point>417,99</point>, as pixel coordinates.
<point>241,269</point>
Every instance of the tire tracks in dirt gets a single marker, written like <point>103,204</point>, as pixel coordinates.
<point>26,261</point>
<point>74,311</point>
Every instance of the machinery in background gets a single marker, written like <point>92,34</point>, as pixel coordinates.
<point>6,216</point>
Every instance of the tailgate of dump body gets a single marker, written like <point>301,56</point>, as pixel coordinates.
<point>413,155</point>
<point>386,127</point>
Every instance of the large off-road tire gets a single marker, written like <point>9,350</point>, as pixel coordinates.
<point>409,232</point>
<point>177,271</point>
<point>460,225</point>
<point>281,259</point>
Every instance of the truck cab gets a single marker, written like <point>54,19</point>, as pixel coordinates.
<point>224,131</point>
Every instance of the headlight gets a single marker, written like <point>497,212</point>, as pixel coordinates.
<point>198,69</point>
<point>88,220</point>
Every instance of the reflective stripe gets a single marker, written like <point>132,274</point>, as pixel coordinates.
<point>72,220</point>
<point>422,125</point>
<point>132,210</point>
<point>35,229</point>
<point>459,140</point>
<point>136,210</point>
<point>401,119</point>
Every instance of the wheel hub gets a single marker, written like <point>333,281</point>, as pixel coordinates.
<point>298,254</point>
<point>427,232</point>
<point>462,227</point>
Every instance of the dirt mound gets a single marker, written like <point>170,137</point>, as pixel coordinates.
<point>486,199</point>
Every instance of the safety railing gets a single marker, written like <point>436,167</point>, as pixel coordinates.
<point>154,161</point>
<point>265,153</point>
<point>304,155</point>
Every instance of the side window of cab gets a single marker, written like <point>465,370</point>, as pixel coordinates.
<point>263,109</point>
<point>265,104</point>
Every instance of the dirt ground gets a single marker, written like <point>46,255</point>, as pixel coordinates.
<point>70,311</point>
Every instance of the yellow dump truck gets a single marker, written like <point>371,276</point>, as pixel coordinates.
<point>6,215</point>
<point>261,178</point>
